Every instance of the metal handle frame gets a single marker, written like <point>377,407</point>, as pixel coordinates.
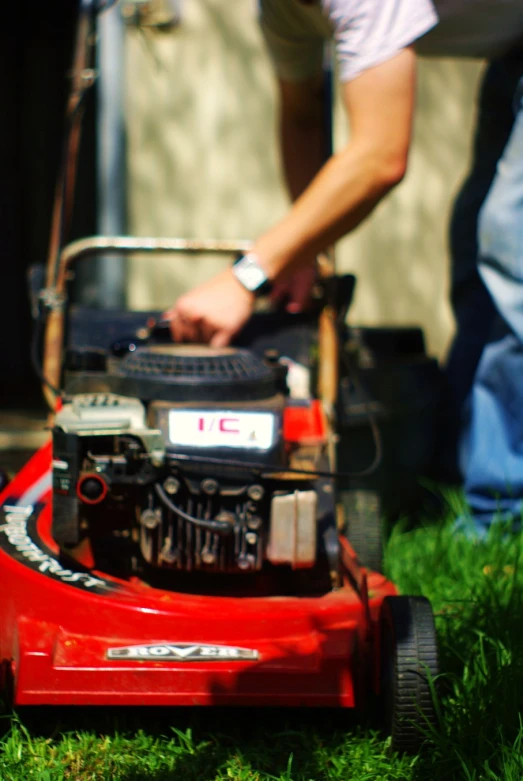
<point>61,257</point>
<point>55,296</point>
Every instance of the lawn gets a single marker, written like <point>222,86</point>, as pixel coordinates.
<point>477,594</point>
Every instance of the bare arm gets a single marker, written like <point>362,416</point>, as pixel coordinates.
<point>380,106</point>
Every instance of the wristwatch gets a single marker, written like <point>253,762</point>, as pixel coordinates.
<point>251,276</point>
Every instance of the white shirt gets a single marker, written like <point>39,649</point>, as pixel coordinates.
<point>368,32</point>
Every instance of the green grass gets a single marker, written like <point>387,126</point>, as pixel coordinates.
<point>477,594</point>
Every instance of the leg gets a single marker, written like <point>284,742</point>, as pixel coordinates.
<point>473,308</point>
<point>492,454</point>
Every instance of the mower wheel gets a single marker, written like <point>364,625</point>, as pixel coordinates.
<point>363,526</point>
<point>408,666</point>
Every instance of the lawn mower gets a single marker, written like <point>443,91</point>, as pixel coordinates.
<point>181,539</point>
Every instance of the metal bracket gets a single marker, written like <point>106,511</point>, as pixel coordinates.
<point>51,299</point>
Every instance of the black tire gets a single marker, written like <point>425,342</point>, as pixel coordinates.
<point>364,526</point>
<point>408,667</point>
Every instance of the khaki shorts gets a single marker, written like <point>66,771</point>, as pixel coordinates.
<point>295,35</point>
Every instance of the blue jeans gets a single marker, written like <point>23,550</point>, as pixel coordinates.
<point>484,372</point>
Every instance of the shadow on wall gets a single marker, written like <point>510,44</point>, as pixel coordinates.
<point>203,162</point>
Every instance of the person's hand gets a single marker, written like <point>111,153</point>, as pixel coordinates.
<point>296,291</point>
<point>211,313</point>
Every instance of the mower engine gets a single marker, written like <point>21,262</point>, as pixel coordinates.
<point>182,458</point>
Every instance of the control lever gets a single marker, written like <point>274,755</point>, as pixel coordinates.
<point>154,330</point>
<point>35,284</point>
<point>159,330</point>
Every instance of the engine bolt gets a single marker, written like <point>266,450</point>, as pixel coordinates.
<point>244,562</point>
<point>167,554</point>
<point>171,485</point>
<point>224,516</point>
<point>157,458</point>
<point>209,486</point>
<point>208,556</point>
<point>253,522</point>
<point>151,519</point>
<point>255,492</point>
<point>251,538</point>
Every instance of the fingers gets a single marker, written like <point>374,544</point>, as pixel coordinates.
<point>279,290</point>
<point>301,290</point>
<point>297,290</point>
<point>174,325</point>
<point>183,329</point>
<point>220,339</point>
<point>191,331</point>
<point>211,313</point>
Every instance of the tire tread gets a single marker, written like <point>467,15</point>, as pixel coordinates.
<point>408,633</point>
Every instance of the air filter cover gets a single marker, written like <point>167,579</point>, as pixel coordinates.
<point>173,372</point>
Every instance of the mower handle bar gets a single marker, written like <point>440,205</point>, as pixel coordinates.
<point>54,296</point>
<point>126,245</point>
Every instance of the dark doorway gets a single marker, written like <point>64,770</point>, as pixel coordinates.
<point>35,57</point>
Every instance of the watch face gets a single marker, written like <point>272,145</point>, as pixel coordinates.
<point>249,273</point>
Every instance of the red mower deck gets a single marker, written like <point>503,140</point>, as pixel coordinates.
<point>82,638</point>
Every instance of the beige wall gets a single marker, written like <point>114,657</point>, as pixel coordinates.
<point>203,163</point>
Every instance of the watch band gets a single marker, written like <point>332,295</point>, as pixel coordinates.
<point>250,274</point>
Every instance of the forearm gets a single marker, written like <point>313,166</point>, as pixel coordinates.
<point>380,106</point>
<point>379,103</point>
<point>340,196</point>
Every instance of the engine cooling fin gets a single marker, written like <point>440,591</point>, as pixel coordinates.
<point>195,373</point>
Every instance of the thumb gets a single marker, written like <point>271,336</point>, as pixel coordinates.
<point>220,339</point>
